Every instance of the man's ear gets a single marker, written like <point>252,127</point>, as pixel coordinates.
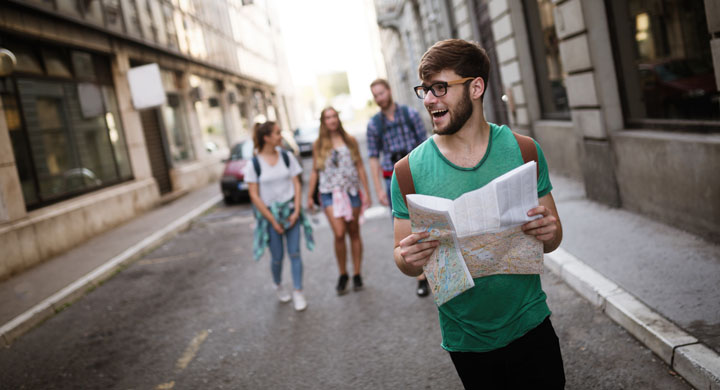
<point>477,87</point>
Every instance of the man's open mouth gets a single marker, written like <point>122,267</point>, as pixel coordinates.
<point>438,113</point>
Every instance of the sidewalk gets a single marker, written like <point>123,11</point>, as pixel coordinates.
<point>659,283</point>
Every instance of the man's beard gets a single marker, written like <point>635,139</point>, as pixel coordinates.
<point>458,116</point>
<point>387,104</point>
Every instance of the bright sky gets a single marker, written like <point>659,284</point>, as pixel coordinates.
<point>324,36</point>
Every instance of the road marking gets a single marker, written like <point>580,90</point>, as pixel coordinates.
<point>165,386</point>
<point>191,350</point>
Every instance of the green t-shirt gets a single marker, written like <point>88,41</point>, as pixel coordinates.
<point>500,308</point>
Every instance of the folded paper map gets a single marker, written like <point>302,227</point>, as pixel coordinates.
<point>479,232</point>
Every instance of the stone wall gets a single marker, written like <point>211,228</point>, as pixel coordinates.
<point>672,177</point>
<point>52,230</point>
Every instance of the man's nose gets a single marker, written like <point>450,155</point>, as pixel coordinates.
<point>430,98</point>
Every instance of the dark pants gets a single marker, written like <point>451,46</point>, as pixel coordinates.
<point>531,362</point>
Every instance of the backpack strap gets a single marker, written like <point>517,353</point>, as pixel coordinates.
<point>256,162</point>
<point>285,157</point>
<point>256,165</point>
<point>380,125</point>
<point>528,150</point>
<point>404,177</point>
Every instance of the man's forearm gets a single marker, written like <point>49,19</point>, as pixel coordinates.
<point>550,246</point>
<point>376,174</point>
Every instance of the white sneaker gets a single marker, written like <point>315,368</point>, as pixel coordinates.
<point>299,300</point>
<point>282,294</point>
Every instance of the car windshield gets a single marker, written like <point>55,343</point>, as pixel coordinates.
<point>242,151</point>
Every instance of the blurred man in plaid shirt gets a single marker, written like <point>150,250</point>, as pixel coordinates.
<point>391,134</point>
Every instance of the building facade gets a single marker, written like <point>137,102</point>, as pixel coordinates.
<point>621,94</point>
<point>77,154</point>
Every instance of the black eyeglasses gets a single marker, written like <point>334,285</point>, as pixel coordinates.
<point>440,88</point>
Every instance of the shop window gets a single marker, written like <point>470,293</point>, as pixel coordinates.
<point>176,126</point>
<point>20,146</point>
<point>174,117</point>
<point>117,136</point>
<point>66,134</point>
<point>665,63</point>
<point>544,45</point>
<point>210,116</point>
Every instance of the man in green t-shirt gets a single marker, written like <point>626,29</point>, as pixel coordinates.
<point>498,333</point>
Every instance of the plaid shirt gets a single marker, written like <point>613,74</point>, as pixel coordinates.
<point>397,136</point>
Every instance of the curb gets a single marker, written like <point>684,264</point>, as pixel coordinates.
<point>694,361</point>
<point>63,298</point>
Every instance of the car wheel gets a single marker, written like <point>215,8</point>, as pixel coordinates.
<point>228,200</point>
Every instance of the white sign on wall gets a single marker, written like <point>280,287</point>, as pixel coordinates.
<point>146,86</point>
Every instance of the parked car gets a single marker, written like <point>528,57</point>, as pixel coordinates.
<point>305,136</point>
<point>233,185</point>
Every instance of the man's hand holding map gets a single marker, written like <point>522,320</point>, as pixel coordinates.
<point>479,232</point>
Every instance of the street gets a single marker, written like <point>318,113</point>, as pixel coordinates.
<point>199,313</point>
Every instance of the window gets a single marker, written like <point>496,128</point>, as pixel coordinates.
<point>132,18</point>
<point>169,15</point>
<point>665,63</point>
<point>113,16</point>
<point>65,131</point>
<point>210,114</point>
<point>88,10</point>
<point>545,49</point>
<point>174,118</point>
<point>19,142</point>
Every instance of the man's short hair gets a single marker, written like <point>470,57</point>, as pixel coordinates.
<point>380,82</point>
<point>465,58</point>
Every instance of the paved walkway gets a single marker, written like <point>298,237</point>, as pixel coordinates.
<point>656,281</point>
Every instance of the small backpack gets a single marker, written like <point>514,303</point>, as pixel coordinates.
<point>404,175</point>
<point>256,162</point>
